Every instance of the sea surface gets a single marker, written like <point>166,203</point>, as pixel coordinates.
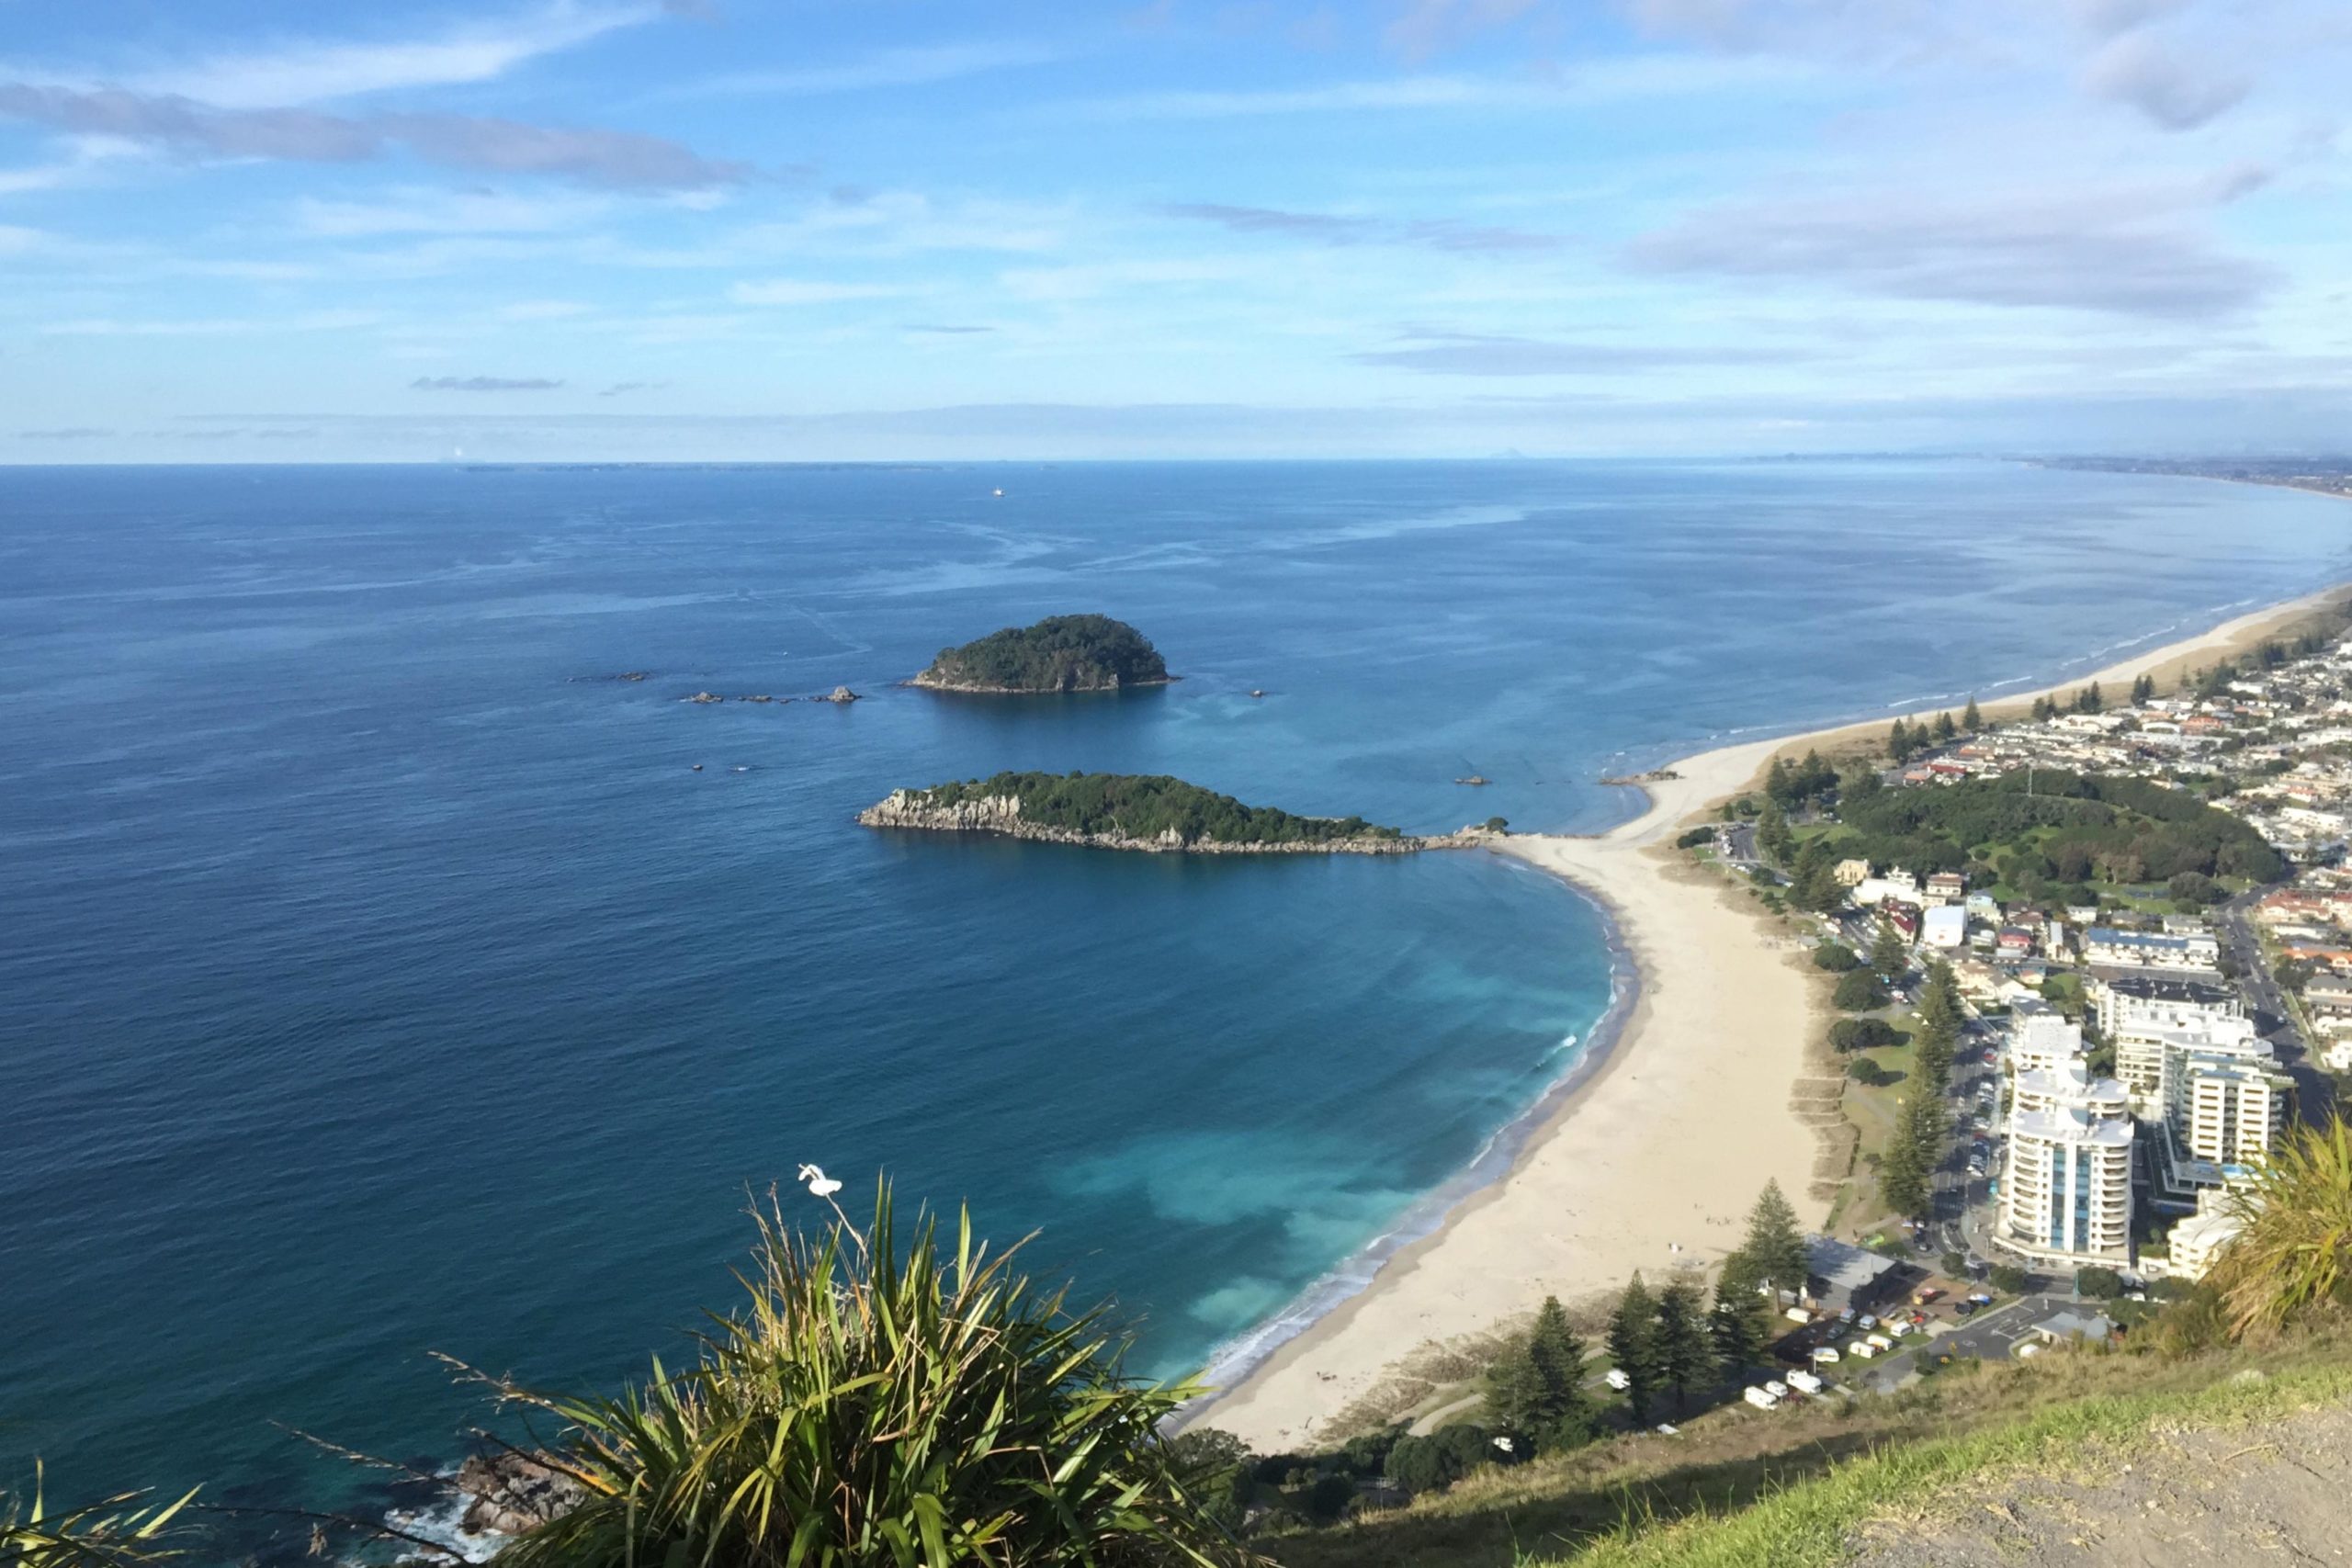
<point>381,978</point>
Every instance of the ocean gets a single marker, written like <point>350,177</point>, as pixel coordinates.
<point>382,978</point>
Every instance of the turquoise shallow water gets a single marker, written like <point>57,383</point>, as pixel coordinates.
<point>379,983</point>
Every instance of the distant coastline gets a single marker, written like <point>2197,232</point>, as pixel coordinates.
<point>1719,1022</point>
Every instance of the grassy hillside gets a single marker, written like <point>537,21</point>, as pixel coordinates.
<point>1743,1486</point>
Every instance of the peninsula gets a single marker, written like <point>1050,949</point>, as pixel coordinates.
<point>1060,653</point>
<point>1152,813</point>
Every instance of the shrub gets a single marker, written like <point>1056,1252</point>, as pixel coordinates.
<point>2098,1284</point>
<point>870,1405</point>
<point>109,1533</point>
<point>1330,1495</point>
<point>1862,1070</point>
<point>1696,839</point>
<point>1860,991</point>
<point>1498,824</point>
<point>2293,1258</point>
<point>1952,1263</point>
<point>1862,1034</point>
<point>2010,1280</point>
<point>1835,957</point>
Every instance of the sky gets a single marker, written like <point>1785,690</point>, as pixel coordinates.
<point>850,230</point>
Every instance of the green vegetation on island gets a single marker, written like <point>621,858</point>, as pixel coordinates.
<point>1119,806</point>
<point>1060,653</point>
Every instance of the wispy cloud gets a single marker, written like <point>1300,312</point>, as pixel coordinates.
<point>1443,235</point>
<point>312,70</point>
<point>1465,354</point>
<point>1591,84</point>
<point>1424,26</point>
<point>483,384</point>
<point>66,432</point>
<point>2120,251</point>
<point>618,158</point>
<point>807,292</point>
<point>212,326</point>
<point>944,328</point>
<point>885,68</point>
<point>622,388</point>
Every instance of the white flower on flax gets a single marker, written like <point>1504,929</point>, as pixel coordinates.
<point>819,1184</point>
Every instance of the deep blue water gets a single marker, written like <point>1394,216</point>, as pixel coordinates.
<point>376,981</point>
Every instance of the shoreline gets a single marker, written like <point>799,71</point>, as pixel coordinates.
<point>1719,1017</point>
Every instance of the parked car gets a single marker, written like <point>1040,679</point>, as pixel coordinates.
<point>1966,1309</point>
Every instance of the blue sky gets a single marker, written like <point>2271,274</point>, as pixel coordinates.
<point>251,230</point>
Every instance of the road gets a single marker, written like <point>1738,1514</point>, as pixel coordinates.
<point>2267,1003</point>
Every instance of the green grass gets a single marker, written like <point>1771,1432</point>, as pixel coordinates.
<point>1745,1486</point>
<point>1810,1523</point>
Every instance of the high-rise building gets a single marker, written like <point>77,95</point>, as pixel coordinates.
<point>2068,1193</point>
<point>2225,1104</point>
<point>2136,1012</point>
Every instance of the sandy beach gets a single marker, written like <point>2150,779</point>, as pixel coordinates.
<point>1654,1159</point>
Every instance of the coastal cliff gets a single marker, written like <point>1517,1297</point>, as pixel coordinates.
<point>1151,816</point>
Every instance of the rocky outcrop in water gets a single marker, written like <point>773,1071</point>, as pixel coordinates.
<point>514,1493</point>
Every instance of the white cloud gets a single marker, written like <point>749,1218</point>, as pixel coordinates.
<point>220,326</point>
<point>1623,79</point>
<point>414,212</point>
<point>312,72</point>
<point>803,291</point>
<point>886,68</point>
<point>2138,70</point>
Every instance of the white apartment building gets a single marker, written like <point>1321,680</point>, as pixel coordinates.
<point>2106,946</point>
<point>2139,1012</point>
<point>2224,1109</point>
<point>2068,1191</point>
<point>2044,1042</point>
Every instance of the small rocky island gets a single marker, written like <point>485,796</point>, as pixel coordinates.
<point>1152,813</point>
<point>1060,653</point>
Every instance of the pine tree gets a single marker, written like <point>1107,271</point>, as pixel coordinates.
<point>2144,690</point>
<point>1685,1350</point>
<point>2042,709</point>
<point>1903,1167</point>
<point>1777,787</point>
<point>1890,954</point>
<point>1945,728</point>
<point>1773,835</point>
<point>1536,1391</point>
<point>1775,1248</point>
<point>1737,1324</point>
<point>1898,741</point>
<point>1632,1345</point>
<point>1971,719</point>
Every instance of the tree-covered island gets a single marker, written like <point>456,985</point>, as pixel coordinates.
<point>1060,653</point>
<point>1124,811</point>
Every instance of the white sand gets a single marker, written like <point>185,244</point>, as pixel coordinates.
<point>1676,1132</point>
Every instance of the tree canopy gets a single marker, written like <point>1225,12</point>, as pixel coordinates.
<point>1060,653</point>
<point>1144,805</point>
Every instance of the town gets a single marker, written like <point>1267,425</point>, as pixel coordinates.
<point>2139,899</point>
